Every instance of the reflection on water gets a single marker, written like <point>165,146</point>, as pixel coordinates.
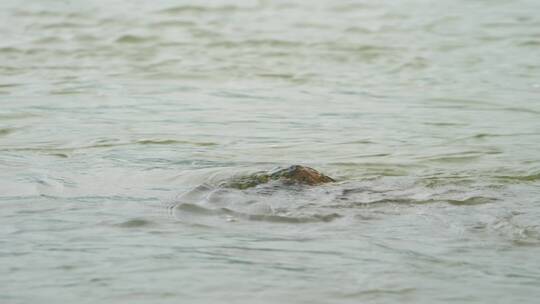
<point>120,119</point>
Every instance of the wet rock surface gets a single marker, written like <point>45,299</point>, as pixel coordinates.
<point>295,174</point>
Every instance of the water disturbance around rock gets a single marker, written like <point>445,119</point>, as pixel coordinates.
<point>161,151</point>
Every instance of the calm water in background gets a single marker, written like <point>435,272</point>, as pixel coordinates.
<point>112,112</point>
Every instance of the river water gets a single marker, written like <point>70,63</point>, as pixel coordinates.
<point>118,120</point>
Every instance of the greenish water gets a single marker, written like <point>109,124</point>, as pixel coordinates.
<point>119,118</point>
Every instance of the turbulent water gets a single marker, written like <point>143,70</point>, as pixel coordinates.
<point>120,119</point>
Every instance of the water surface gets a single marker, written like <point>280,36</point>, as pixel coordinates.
<point>119,118</point>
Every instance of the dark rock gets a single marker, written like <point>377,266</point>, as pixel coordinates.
<point>291,175</point>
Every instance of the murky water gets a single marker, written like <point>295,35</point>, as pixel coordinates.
<point>119,119</point>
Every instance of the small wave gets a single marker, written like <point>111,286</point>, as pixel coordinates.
<point>135,223</point>
<point>10,50</point>
<point>107,144</point>
<point>232,215</point>
<point>459,157</point>
<point>521,178</point>
<point>369,203</point>
<point>380,292</point>
<point>475,200</point>
<point>358,30</point>
<point>173,24</point>
<point>521,110</point>
<point>132,39</point>
<point>444,124</point>
<point>530,43</point>
<point>6,131</point>
<point>190,9</point>
<point>511,228</point>
<point>18,115</point>
<point>351,7</point>
<point>49,40</point>
<point>38,13</point>
<point>173,142</point>
<point>64,25</point>
<point>255,43</point>
<point>49,13</point>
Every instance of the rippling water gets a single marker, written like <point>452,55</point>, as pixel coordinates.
<point>119,118</point>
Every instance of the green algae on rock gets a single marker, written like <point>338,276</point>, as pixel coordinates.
<point>291,175</point>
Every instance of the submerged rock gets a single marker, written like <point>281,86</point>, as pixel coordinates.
<point>291,175</point>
